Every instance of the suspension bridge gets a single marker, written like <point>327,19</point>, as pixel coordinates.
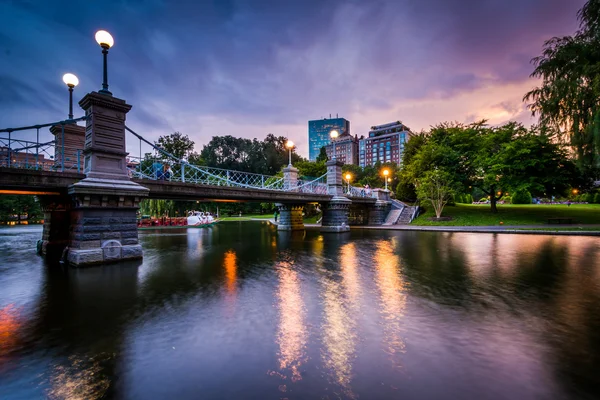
<point>90,181</point>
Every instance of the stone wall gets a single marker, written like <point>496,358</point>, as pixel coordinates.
<point>290,217</point>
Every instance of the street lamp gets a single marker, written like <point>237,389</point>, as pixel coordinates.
<point>385,174</point>
<point>71,81</point>
<point>290,145</point>
<point>333,135</point>
<point>348,177</point>
<point>106,41</point>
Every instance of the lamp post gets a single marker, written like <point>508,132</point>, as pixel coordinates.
<point>333,135</point>
<point>106,41</point>
<point>290,145</point>
<point>385,174</point>
<point>71,81</point>
<point>348,177</point>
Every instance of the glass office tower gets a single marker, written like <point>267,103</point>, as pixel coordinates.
<point>318,133</point>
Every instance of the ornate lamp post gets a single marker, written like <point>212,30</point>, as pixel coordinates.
<point>333,135</point>
<point>385,175</point>
<point>290,145</point>
<point>348,177</point>
<point>71,81</point>
<point>106,41</point>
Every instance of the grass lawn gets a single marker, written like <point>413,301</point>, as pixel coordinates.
<point>308,220</point>
<point>533,214</point>
<point>247,217</point>
<point>581,228</point>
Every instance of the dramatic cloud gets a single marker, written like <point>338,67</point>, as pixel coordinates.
<point>247,68</point>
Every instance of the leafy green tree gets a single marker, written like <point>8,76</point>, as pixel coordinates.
<point>492,159</point>
<point>322,155</point>
<point>568,98</point>
<point>177,144</point>
<point>20,206</point>
<point>313,169</point>
<point>436,187</point>
<point>521,196</point>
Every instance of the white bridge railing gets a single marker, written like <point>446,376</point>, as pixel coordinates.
<point>165,166</point>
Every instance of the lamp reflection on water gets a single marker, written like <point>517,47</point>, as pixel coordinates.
<point>292,332</point>
<point>340,307</point>
<point>9,325</point>
<point>392,297</point>
<point>230,265</point>
<point>79,378</point>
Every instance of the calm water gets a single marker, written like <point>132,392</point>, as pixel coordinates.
<point>240,311</point>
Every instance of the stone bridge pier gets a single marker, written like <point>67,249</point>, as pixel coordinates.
<point>337,210</point>
<point>96,221</point>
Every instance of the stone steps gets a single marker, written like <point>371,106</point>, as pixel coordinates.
<point>392,217</point>
<point>405,216</point>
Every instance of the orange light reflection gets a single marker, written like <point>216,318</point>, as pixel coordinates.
<point>392,296</point>
<point>292,332</point>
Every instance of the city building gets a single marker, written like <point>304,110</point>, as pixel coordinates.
<point>26,159</point>
<point>384,144</point>
<point>318,133</point>
<point>346,149</point>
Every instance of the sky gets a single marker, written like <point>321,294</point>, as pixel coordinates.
<point>251,67</point>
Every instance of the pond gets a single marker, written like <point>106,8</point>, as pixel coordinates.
<point>242,311</point>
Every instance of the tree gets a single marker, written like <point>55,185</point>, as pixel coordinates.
<point>177,144</point>
<point>436,187</point>
<point>313,169</point>
<point>569,98</point>
<point>494,159</point>
<point>322,154</point>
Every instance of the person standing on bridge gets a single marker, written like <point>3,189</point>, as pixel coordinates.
<point>168,173</point>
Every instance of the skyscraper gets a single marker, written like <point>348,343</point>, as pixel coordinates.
<point>318,133</point>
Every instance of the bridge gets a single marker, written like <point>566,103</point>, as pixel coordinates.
<point>90,187</point>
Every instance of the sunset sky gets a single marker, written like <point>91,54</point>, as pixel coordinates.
<point>248,68</point>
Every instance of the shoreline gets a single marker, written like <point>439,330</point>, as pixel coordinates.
<point>514,229</point>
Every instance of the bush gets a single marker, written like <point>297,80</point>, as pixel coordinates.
<point>469,199</point>
<point>521,197</point>
<point>597,198</point>
<point>406,192</point>
<point>588,198</point>
<point>506,199</point>
<point>460,198</point>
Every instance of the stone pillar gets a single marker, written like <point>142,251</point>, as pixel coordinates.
<point>379,211</point>
<point>334,178</point>
<point>71,139</point>
<point>103,219</point>
<point>55,234</point>
<point>290,177</point>
<point>335,215</point>
<point>290,217</point>
<point>335,212</point>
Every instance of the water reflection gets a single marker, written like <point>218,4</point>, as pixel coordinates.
<point>80,378</point>
<point>486,316</point>
<point>392,297</point>
<point>230,265</point>
<point>340,298</point>
<point>9,326</point>
<point>291,331</point>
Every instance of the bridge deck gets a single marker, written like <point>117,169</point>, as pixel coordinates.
<point>23,181</point>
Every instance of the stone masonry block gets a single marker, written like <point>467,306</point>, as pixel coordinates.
<point>79,258</point>
<point>132,252</point>
<point>111,235</point>
<point>129,234</point>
